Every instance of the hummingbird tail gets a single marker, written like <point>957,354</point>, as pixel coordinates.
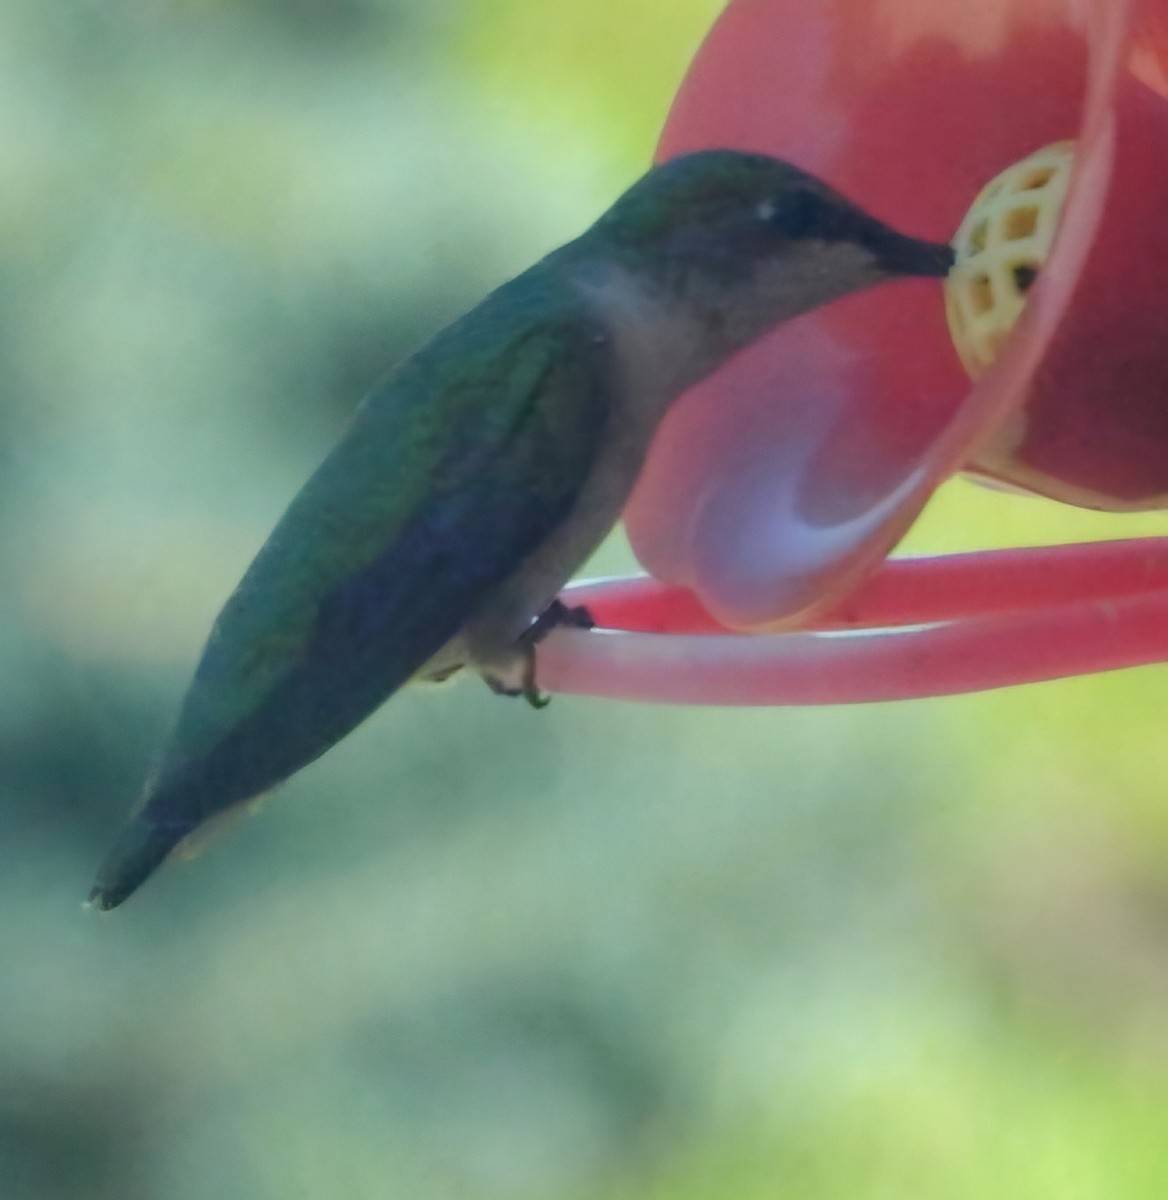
<point>140,848</point>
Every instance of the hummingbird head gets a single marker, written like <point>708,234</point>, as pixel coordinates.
<point>752,240</point>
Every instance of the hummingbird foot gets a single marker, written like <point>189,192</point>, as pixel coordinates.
<point>559,615</point>
<point>527,687</point>
<point>531,691</point>
<point>556,615</point>
<point>522,667</point>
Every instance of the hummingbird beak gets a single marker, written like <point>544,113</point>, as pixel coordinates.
<point>902,255</point>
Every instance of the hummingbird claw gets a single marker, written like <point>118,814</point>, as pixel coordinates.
<point>557,615</point>
<point>528,688</point>
<point>532,692</point>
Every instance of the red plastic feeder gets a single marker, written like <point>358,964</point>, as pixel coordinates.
<point>776,489</point>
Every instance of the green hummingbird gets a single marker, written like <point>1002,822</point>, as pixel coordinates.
<point>478,476</point>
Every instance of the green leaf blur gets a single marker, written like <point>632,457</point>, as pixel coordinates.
<point>598,953</point>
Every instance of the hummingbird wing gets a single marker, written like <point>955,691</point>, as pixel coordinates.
<point>451,472</point>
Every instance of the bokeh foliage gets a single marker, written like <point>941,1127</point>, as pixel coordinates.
<point>601,951</point>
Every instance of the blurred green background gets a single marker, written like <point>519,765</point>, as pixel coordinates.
<point>478,952</point>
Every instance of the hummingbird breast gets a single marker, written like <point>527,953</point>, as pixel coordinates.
<point>643,343</point>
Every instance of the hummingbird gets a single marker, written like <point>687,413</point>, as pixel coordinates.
<point>483,471</point>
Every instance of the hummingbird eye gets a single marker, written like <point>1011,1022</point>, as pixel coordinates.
<point>797,213</point>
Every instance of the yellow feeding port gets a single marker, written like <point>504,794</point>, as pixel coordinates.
<point>1000,248</point>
